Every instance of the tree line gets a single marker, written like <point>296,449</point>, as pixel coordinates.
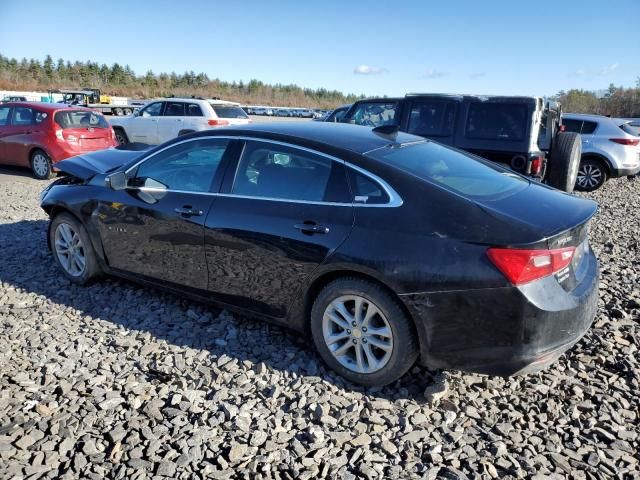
<point>615,102</point>
<point>121,80</point>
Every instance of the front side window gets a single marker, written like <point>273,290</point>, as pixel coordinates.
<point>432,119</point>
<point>152,110</point>
<point>80,119</point>
<point>497,121</point>
<point>174,109</point>
<point>22,116</point>
<point>4,116</point>
<point>189,166</point>
<point>275,171</point>
<point>374,114</point>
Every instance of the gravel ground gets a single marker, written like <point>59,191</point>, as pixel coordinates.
<point>120,381</point>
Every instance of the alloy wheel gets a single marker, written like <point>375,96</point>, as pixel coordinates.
<point>40,164</point>
<point>120,138</point>
<point>70,250</point>
<point>589,176</point>
<point>357,334</point>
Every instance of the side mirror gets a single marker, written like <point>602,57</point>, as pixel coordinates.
<point>116,181</point>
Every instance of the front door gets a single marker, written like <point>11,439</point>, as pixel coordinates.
<point>5,116</point>
<point>144,126</point>
<point>16,136</point>
<point>285,212</point>
<point>155,228</point>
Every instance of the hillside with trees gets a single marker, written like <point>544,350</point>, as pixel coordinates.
<point>121,80</point>
<point>616,101</point>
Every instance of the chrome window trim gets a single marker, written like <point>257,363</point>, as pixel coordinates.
<point>394,198</point>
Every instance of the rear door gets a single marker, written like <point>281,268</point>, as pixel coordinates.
<point>5,116</point>
<point>171,121</point>
<point>155,228</point>
<point>587,133</point>
<point>285,210</point>
<point>144,126</point>
<point>16,139</point>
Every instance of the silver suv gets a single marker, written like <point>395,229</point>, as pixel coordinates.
<point>610,148</point>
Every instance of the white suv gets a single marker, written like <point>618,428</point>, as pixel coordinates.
<point>610,148</point>
<point>163,119</point>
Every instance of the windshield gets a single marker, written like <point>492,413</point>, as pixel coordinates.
<point>373,114</point>
<point>229,111</point>
<point>453,170</point>
<point>80,119</point>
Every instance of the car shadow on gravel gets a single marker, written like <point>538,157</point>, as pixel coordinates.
<point>27,264</point>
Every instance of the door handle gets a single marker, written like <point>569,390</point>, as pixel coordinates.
<point>311,228</point>
<point>188,211</point>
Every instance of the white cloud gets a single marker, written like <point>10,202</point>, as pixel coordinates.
<point>368,70</point>
<point>596,72</point>
<point>431,73</point>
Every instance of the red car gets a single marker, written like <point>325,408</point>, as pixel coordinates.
<point>38,135</point>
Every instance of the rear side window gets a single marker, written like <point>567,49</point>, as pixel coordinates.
<point>174,109</point>
<point>432,119</point>
<point>79,119</point>
<point>366,190</point>
<point>279,172</point>
<point>376,114</point>
<point>337,115</point>
<point>193,110</point>
<point>452,170</point>
<point>22,116</point>
<point>588,127</point>
<point>627,128</point>
<point>572,125</point>
<point>224,111</point>
<point>497,121</point>
<point>4,115</point>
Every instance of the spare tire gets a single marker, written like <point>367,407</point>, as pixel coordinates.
<point>564,161</point>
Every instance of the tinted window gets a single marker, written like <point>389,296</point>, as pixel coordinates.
<point>366,190</point>
<point>432,119</point>
<point>497,121</point>
<point>174,109</point>
<point>152,110</point>
<point>628,128</point>
<point>79,119</point>
<point>588,127</point>
<point>572,125</point>
<point>193,110</point>
<point>223,111</point>
<point>190,166</point>
<point>452,170</point>
<point>337,115</point>
<point>374,114</point>
<point>22,116</point>
<point>274,171</point>
<point>4,115</point>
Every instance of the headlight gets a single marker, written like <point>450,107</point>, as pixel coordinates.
<point>44,192</point>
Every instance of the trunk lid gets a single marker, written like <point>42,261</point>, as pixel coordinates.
<point>87,165</point>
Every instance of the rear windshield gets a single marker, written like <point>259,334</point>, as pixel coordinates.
<point>497,121</point>
<point>453,170</point>
<point>224,111</point>
<point>80,119</point>
<point>630,129</point>
<point>373,114</point>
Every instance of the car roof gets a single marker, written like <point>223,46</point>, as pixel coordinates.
<point>46,106</point>
<point>585,116</point>
<point>354,138</point>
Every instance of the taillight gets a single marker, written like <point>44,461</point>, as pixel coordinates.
<point>536,165</point>
<point>217,122</point>
<point>626,141</point>
<point>523,266</point>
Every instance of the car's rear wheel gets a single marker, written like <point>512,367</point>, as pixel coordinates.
<point>72,249</point>
<point>41,166</point>
<point>362,333</point>
<point>121,137</point>
<point>591,175</point>
<point>564,161</point>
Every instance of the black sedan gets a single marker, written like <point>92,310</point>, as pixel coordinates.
<point>384,246</point>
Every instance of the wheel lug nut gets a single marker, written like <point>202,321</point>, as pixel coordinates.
<point>354,324</point>
<point>349,332</point>
<point>364,340</point>
<point>364,329</point>
<point>355,341</point>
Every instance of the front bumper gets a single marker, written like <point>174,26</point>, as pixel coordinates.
<point>504,331</point>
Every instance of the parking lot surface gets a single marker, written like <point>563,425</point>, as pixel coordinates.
<point>121,381</point>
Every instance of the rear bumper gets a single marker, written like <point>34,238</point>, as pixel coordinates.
<point>624,172</point>
<point>504,331</point>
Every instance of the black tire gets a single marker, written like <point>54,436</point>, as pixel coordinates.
<point>405,345</point>
<point>121,136</point>
<point>591,175</point>
<point>564,161</point>
<point>91,267</point>
<point>184,132</point>
<point>117,111</point>
<point>41,165</point>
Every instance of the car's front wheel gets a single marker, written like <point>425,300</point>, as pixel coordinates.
<point>591,175</point>
<point>362,333</point>
<point>72,249</point>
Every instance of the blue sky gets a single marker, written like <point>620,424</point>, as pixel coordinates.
<point>371,47</point>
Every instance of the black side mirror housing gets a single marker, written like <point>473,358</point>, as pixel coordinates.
<point>116,181</point>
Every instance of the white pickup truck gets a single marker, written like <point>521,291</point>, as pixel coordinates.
<point>163,119</point>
